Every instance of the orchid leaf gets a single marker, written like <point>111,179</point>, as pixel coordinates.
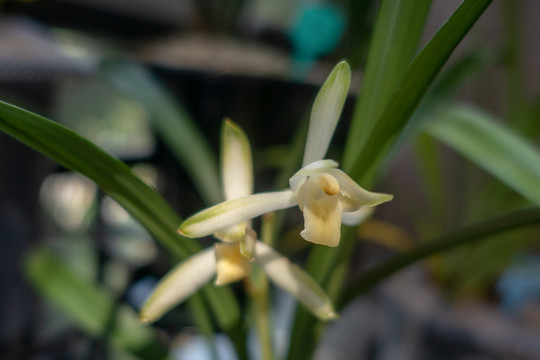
<point>115,178</point>
<point>397,32</point>
<point>480,231</point>
<point>416,81</point>
<point>172,123</point>
<point>92,308</point>
<point>497,149</point>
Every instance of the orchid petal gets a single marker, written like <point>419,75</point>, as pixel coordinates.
<point>232,234</point>
<point>294,280</point>
<point>322,214</point>
<point>236,163</point>
<point>179,283</point>
<point>354,196</point>
<point>313,168</point>
<point>231,265</point>
<point>357,217</point>
<point>326,112</point>
<point>247,244</point>
<point>232,212</point>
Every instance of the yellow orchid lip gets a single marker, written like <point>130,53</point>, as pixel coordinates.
<point>324,194</point>
<point>231,265</point>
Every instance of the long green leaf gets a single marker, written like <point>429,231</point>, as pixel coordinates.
<point>495,148</point>
<point>419,76</point>
<point>172,123</point>
<point>466,235</point>
<point>395,40</point>
<point>92,308</point>
<point>116,179</point>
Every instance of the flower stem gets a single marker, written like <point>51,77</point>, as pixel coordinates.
<point>258,289</point>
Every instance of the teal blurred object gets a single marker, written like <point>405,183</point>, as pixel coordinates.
<point>316,32</point>
<point>519,284</point>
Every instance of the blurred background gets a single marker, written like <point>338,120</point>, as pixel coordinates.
<point>260,63</point>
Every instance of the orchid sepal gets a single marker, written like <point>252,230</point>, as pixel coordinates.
<point>296,281</point>
<point>236,161</point>
<point>232,212</point>
<point>326,111</point>
<point>181,282</point>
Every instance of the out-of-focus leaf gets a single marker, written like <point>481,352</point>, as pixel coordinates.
<point>395,40</point>
<point>492,146</point>
<point>172,123</point>
<point>116,179</point>
<point>444,90</point>
<point>466,235</point>
<point>419,76</point>
<point>92,308</point>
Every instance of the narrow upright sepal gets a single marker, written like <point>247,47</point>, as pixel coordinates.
<point>326,112</point>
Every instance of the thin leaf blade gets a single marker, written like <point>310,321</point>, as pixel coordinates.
<point>76,153</point>
<point>90,306</point>
<point>415,83</point>
<point>469,234</point>
<point>172,123</point>
<point>497,149</point>
<point>395,40</point>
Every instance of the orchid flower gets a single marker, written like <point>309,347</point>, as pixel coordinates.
<point>326,195</point>
<point>230,260</point>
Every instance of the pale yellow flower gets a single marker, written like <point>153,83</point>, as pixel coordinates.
<point>231,259</point>
<point>326,195</point>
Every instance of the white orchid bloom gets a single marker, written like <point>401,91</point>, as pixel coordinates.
<point>230,260</point>
<point>326,195</point>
